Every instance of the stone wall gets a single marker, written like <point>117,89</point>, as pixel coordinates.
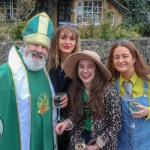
<point>102,47</point>
<point>4,49</point>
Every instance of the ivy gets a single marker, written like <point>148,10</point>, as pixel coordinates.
<point>138,15</point>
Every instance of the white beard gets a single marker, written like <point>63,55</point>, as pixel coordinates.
<point>33,64</point>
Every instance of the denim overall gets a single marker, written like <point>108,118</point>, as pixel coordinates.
<point>137,138</point>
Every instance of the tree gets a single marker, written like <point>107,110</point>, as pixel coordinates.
<point>24,8</point>
<point>12,29</point>
<point>138,15</point>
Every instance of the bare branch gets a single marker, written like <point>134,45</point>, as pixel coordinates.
<point>24,8</point>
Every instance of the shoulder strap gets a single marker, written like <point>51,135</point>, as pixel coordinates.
<point>116,83</point>
<point>145,86</point>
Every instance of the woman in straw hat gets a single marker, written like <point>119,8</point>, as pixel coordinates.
<point>95,111</point>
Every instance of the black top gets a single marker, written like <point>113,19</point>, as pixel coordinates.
<point>60,83</point>
<point>59,80</point>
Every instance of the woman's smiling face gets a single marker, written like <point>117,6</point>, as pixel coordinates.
<point>67,41</point>
<point>86,71</point>
<point>123,60</point>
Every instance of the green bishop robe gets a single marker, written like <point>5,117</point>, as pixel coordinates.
<point>25,123</point>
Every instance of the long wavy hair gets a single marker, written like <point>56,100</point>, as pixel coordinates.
<point>95,101</point>
<point>141,68</point>
<point>54,52</point>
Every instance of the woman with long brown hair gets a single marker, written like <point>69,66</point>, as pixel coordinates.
<point>95,111</point>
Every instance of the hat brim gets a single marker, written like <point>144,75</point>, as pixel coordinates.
<point>71,61</point>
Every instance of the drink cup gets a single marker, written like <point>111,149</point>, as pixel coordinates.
<point>79,144</point>
<point>133,106</point>
<point>57,102</point>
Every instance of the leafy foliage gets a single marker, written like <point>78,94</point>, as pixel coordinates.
<point>138,15</point>
<point>12,29</point>
<point>16,30</point>
<point>106,30</point>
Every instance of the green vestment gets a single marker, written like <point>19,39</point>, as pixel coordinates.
<point>25,109</point>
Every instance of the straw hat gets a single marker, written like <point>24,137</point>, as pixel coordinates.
<point>71,61</point>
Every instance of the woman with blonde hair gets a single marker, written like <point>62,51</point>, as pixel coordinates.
<point>65,42</point>
<point>57,55</point>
